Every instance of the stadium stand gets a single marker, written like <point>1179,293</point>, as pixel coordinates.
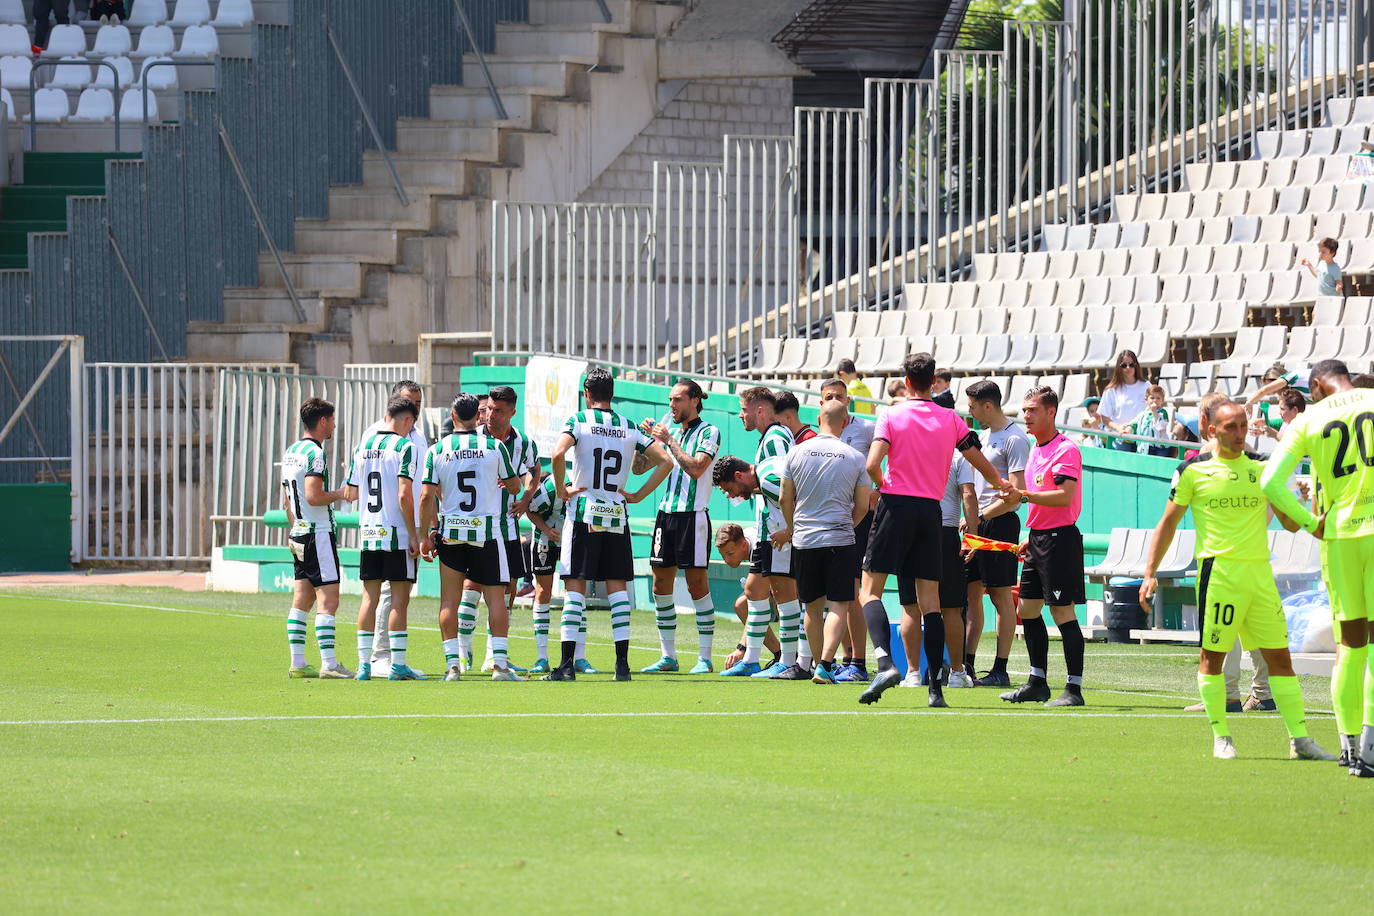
<point>1204,284</point>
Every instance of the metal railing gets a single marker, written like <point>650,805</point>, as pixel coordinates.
<point>262,223</point>
<point>255,421</point>
<point>466,26</point>
<point>153,65</point>
<point>377,140</point>
<point>85,62</point>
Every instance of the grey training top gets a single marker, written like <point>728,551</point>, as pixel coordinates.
<point>858,434</point>
<point>952,504</point>
<point>1007,449</point>
<point>1328,275</point>
<point>824,471</point>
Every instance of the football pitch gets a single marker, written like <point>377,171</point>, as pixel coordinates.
<point>159,760</point>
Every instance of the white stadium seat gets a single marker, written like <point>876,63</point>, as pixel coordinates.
<point>1363,110</point>
<point>1322,141</point>
<point>95,105</point>
<point>131,106</point>
<point>50,106</point>
<point>9,104</point>
<point>234,14</point>
<point>159,77</point>
<point>842,324</point>
<point>66,41</point>
<point>148,12</point>
<point>13,11</point>
<point>70,74</point>
<point>155,41</point>
<point>14,72</point>
<point>190,12</point>
<point>14,41</point>
<point>112,41</point>
<point>124,73</point>
<point>1292,144</point>
<point>199,42</point>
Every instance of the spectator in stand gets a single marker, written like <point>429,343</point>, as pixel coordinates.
<point>1124,398</point>
<point>43,10</point>
<point>854,384</point>
<point>786,410</point>
<point>1183,433</point>
<point>1291,403</point>
<point>107,11</point>
<point>1154,421</point>
<point>896,391</point>
<point>939,392</point>
<point>1093,420</point>
<point>1326,270</point>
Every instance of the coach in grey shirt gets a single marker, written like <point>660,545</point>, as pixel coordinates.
<point>825,491</point>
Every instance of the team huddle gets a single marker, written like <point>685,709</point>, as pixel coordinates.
<point>916,494</point>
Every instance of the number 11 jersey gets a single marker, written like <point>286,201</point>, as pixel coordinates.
<point>604,447</point>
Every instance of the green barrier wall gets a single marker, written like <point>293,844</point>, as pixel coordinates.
<point>37,533</point>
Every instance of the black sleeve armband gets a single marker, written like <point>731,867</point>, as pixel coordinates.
<point>1060,479</point>
<point>969,441</point>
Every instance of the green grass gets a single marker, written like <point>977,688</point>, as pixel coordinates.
<point>669,794</point>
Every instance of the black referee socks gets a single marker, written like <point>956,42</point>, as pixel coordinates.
<point>1072,635</point>
<point>879,631</point>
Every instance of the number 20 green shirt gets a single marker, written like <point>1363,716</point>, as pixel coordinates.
<point>1338,433</point>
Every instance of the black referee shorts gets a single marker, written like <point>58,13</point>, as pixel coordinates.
<point>996,568</point>
<point>953,583</point>
<point>905,542</point>
<point>1053,571</point>
<point>824,572</point>
<point>861,532</point>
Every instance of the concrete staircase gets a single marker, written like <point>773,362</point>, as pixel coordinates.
<point>376,274</point>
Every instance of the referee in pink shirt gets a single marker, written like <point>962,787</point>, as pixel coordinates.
<point>917,438</point>
<point>1053,552</point>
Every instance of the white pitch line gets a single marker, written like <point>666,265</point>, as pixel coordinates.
<point>685,714</point>
<point>148,607</point>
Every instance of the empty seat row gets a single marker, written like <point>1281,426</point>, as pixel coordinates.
<point>1174,259</point>
<point>74,74</point>
<point>1345,194</point>
<point>1341,112</point>
<point>1258,287</point>
<point>1265,173</point>
<point>1183,320</point>
<point>1309,344</point>
<point>1333,310</point>
<point>228,13</point>
<point>52,106</point>
<point>1319,141</point>
<point>1161,233</point>
<point>198,41</point>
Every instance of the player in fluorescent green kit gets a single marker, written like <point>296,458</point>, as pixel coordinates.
<point>1236,594</point>
<point>1337,432</point>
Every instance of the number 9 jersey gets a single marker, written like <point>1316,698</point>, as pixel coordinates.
<point>377,467</point>
<point>604,447</point>
<point>468,468</point>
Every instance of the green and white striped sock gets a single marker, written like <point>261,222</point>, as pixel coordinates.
<point>500,655</point>
<point>666,610</point>
<point>452,653</point>
<point>324,635</point>
<point>541,630</point>
<point>572,617</point>
<point>620,615</point>
<point>789,630</point>
<point>467,618</point>
<point>365,643</point>
<point>581,651</point>
<point>295,636</point>
<point>706,624</point>
<point>755,627</point>
<point>399,640</point>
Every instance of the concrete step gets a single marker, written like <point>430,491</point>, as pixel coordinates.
<point>440,171</point>
<point>375,239</point>
<point>208,340</point>
<point>425,135</point>
<point>580,12</point>
<point>322,274</point>
<point>474,105</point>
<point>519,39</point>
<point>377,202</point>
<point>259,305</point>
<point>529,70</point>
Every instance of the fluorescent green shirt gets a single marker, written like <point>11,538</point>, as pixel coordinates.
<point>1338,433</point>
<point>1229,509</point>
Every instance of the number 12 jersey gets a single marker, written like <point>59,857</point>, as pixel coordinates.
<point>604,447</point>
